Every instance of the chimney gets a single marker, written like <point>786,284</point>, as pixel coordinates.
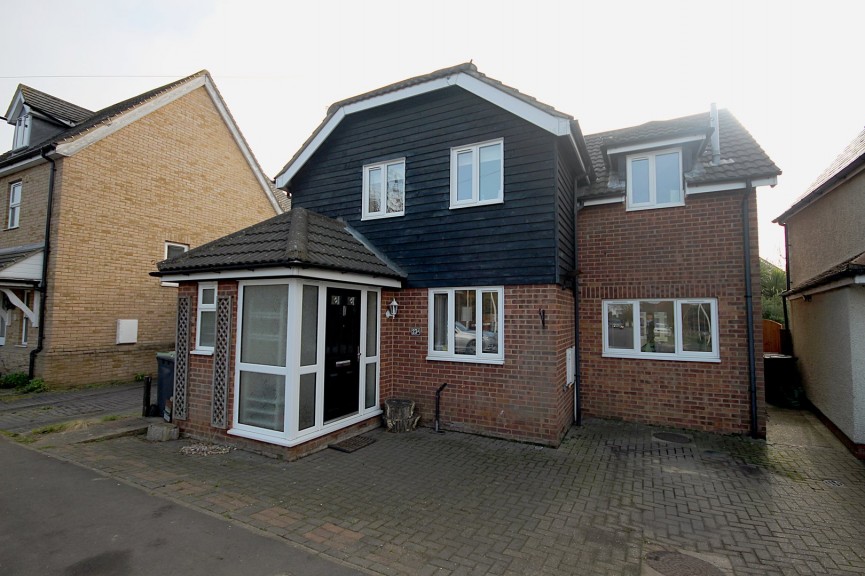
<point>716,136</point>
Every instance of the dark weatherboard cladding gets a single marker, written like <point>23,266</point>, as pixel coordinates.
<point>500,244</point>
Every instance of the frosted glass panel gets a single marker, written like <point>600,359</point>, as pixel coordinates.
<point>306,408</point>
<point>262,400</point>
<point>371,324</point>
<point>369,394</point>
<point>265,319</point>
<point>667,181</point>
<point>309,327</point>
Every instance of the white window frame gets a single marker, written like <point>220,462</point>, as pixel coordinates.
<point>679,354</point>
<point>14,219</point>
<point>202,286</point>
<point>480,357</point>
<point>475,150</point>
<point>653,203</point>
<point>22,131</point>
<point>383,213</point>
<point>292,371</point>
<point>165,257</point>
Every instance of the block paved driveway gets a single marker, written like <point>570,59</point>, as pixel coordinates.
<point>612,499</point>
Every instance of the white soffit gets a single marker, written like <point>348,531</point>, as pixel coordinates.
<point>550,122</point>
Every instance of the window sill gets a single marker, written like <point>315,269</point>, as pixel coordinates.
<point>467,360</point>
<point>201,352</point>
<point>475,204</point>
<point>654,207</point>
<point>366,217</point>
<point>668,357</point>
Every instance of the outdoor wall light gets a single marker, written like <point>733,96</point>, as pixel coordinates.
<point>392,309</point>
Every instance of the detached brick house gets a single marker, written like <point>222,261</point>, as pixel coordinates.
<point>826,266</point>
<point>91,201</point>
<point>441,228</point>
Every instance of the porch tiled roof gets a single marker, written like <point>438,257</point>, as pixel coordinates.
<point>852,267</point>
<point>296,238</point>
<point>741,156</point>
<point>9,256</point>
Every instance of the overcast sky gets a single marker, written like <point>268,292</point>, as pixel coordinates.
<point>790,71</point>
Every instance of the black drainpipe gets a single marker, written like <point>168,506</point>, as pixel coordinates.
<point>749,306</point>
<point>578,408</point>
<point>43,288</point>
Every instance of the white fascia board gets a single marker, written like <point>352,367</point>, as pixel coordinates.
<point>241,143</point>
<point>23,165</point>
<point>725,186</point>
<point>112,125</point>
<point>14,110</point>
<point>346,277</point>
<point>601,201</point>
<point>827,287</point>
<point>551,123</point>
<point>654,144</point>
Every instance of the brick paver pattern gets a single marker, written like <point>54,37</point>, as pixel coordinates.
<point>454,504</point>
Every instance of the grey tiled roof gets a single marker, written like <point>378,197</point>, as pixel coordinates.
<point>53,106</point>
<point>741,156</point>
<point>848,161</point>
<point>93,120</point>
<point>296,238</point>
<point>852,267</point>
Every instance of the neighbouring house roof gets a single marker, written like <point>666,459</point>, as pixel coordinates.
<point>741,157</point>
<point>51,106</point>
<point>853,267</point>
<point>847,163</point>
<point>96,125</point>
<point>296,238</point>
<point>464,75</point>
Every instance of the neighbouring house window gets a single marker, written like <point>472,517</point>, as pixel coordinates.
<point>287,363</point>
<point>22,131</point>
<point>173,249</point>
<point>655,179</point>
<point>466,324</point>
<point>661,329</point>
<point>477,174</point>
<point>2,330</point>
<point>384,189</point>
<point>14,205</point>
<point>205,334</point>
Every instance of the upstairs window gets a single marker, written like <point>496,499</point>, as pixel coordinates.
<point>477,174</point>
<point>655,180</point>
<point>14,205</point>
<point>22,131</point>
<point>384,189</point>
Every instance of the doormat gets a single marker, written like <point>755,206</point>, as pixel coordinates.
<point>352,444</point>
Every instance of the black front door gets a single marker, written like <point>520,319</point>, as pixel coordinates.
<point>341,353</point>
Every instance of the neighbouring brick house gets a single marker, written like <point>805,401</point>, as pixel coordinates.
<point>826,265</point>
<point>435,240</point>
<point>117,191</point>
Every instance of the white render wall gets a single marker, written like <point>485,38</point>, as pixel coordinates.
<point>829,341</point>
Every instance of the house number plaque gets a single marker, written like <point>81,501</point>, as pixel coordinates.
<point>414,331</point>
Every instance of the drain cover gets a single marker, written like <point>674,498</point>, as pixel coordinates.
<point>671,437</point>
<point>833,483</point>
<point>678,564</point>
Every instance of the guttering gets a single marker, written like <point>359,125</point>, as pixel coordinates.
<point>43,285</point>
<point>749,307</point>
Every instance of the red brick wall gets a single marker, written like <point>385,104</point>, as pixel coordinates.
<point>683,252</point>
<point>524,399</point>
